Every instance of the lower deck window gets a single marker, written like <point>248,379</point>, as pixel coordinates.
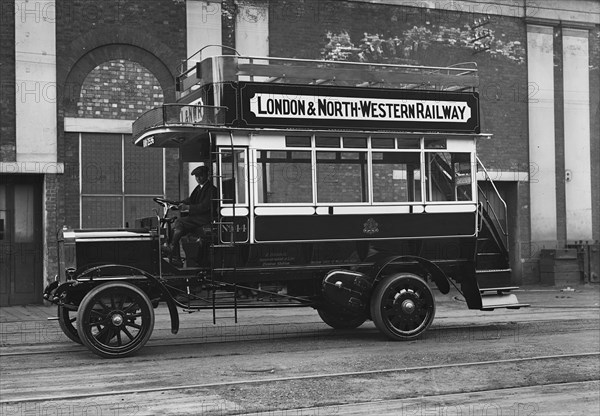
<point>341,177</point>
<point>284,177</point>
<point>396,177</point>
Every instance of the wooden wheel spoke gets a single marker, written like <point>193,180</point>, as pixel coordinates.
<point>103,305</point>
<point>126,332</point>
<point>101,332</point>
<point>133,325</point>
<point>109,335</point>
<point>126,310</point>
<point>99,313</point>
<point>119,342</point>
<point>102,321</point>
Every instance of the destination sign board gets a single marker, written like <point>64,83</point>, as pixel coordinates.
<point>281,105</point>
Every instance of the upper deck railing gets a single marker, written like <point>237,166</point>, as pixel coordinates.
<point>177,115</point>
<point>233,68</point>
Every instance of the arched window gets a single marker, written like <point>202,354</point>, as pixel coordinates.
<point>117,179</point>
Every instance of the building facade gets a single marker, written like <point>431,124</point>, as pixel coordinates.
<point>74,75</point>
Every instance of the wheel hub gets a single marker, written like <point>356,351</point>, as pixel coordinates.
<point>408,306</point>
<point>117,319</point>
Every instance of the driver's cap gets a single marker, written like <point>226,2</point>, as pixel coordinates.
<point>201,168</point>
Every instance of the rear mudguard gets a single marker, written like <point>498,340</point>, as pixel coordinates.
<point>433,270</point>
<point>351,290</point>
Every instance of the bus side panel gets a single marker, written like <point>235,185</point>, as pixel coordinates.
<point>346,227</point>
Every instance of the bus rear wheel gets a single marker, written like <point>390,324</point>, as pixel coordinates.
<point>115,319</point>
<point>402,306</point>
<point>340,320</point>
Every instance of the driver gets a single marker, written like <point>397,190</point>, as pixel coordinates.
<point>200,206</point>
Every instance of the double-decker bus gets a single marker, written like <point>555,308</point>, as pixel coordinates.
<point>351,188</point>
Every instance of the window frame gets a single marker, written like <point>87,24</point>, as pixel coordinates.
<point>247,179</point>
<point>258,178</point>
<point>419,149</point>
<point>122,195</point>
<point>427,184</point>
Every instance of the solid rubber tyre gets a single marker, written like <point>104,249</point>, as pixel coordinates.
<point>340,320</point>
<point>67,320</point>
<point>402,306</point>
<point>115,319</point>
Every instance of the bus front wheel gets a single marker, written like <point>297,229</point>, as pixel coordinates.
<point>115,319</point>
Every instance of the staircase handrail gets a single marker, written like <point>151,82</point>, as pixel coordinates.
<point>181,69</point>
<point>497,220</point>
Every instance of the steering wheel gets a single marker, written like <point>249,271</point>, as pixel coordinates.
<point>167,203</point>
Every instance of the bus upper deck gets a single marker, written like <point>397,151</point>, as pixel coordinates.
<point>231,91</point>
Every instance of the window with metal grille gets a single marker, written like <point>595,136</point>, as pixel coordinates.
<point>118,180</point>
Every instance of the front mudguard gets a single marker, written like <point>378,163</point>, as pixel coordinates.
<point>74,290</point>
<point>50,290</point>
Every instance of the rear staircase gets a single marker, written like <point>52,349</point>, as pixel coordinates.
<point>492,262</point>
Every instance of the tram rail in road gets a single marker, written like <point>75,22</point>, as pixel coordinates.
<point>583,368</point>
<point>536,361</point>
<point>311,331</point>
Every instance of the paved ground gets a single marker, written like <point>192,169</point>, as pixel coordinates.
<point>540,360</point>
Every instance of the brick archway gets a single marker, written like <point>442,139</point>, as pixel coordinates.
<point>110,43</point>
<point>79,71</point>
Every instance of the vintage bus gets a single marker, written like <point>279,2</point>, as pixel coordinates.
<point>351,188</point>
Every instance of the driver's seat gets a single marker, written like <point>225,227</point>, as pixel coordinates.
<point>196,245</point>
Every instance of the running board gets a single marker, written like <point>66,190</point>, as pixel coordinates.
<point>499,297</point>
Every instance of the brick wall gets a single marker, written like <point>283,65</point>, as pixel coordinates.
<point>7,82</point>
<point>54,205</point>
<point>395,34</point>
<point>70,180</point>
<point>119,89</point>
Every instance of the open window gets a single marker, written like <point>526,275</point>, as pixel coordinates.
<point>449,176</point>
